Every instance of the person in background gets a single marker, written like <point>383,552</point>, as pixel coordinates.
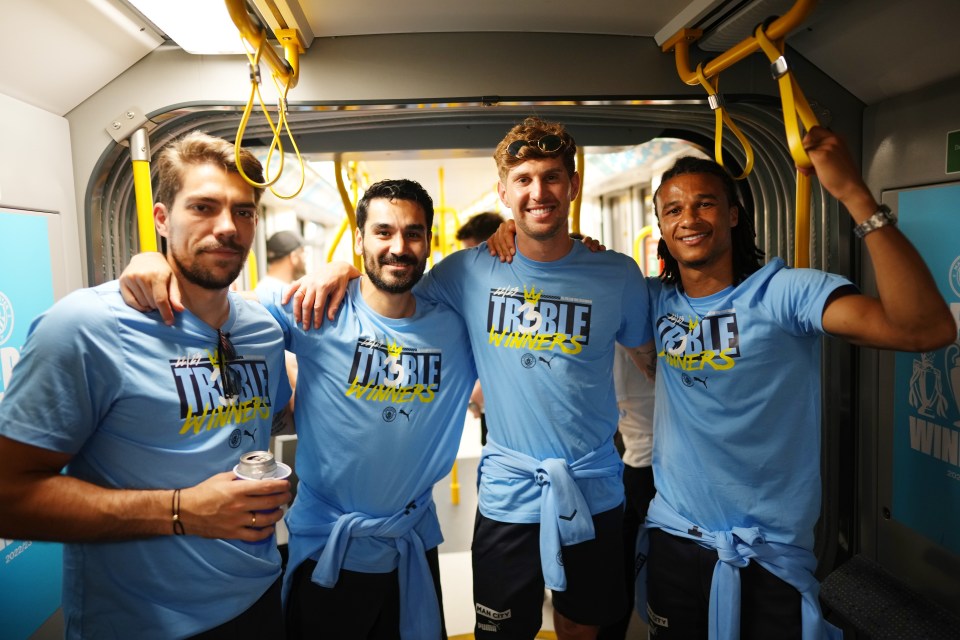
<point>478,228</point>
<point>474,231</point>
<point>285,260</point>
<point>149,419</point>
<point>285,263</point>
<point>635,399</point>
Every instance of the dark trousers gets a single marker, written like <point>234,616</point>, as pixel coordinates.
<point>639,490</point>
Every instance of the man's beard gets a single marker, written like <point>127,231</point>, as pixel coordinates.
<point>374,267</point>
<point>203,277</point>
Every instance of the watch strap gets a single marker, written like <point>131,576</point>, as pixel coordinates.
<point>882,217</point>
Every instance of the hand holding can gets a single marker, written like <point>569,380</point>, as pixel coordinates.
<point>260,465</point>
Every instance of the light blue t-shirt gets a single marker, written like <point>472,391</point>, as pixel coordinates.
<point>737,420</point>
<point>543,336</point>
<point>139,405</point>
<point>380,409</point>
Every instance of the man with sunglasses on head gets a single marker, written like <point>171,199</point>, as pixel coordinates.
<point>149,419</point>
<point>727,547</point>
<point>543,330</point>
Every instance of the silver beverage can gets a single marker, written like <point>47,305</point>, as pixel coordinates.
<point>260,465</point>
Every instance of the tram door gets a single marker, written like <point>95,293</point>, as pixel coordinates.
<point>622,217</point>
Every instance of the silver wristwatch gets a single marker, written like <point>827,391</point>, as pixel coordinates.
<point>881,218</point>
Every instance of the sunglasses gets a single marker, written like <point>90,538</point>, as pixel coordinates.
<point>548,144</point>
<point>229,379</point>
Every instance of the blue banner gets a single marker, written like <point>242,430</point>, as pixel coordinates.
<point>926,416</point>
<point>30,572</point>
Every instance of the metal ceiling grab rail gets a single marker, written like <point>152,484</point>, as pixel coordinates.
<point>770,41</point>
<point>288,71</point>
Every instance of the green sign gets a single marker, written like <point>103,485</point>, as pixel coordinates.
<point>953,152</point>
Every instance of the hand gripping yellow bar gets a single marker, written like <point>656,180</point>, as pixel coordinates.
<point>715,100</point>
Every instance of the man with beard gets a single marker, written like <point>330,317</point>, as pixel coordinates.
<point>149,419</point>
<point>382,393</point>
<point>543,330</point>
<point>380,404</point>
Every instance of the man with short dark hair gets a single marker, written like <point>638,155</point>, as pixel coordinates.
<point>149,420</point>
<point>382,392</point>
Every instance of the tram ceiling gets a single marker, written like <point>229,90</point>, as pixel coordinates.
<point>876,49</point>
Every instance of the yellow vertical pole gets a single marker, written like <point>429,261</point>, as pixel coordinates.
<point>252,269</point>
<point>575,214</point>
<point>801,239</point>
<point>454,485</point>
<point>440,240</point>
<point>140,154</point>
<point>348,209</point>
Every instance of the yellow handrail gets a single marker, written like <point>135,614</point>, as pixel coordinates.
<point>794,102</point>
<point>252,269</point>
<point>715,100</point>
<point>644,232</point>
<point>143,191</point>
<point>575,213</point>
<point>285,75</point>
<point>779,28</point>
<point>287,70</point>
<point>348,209</point>
<point>795,106</point>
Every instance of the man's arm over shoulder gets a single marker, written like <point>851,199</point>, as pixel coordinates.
<point>636,325</point>
<point>447,280</point>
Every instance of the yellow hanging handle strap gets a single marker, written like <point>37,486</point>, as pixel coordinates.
<point>795,106</point>
<point>794,102</point>
<point>715,100</point>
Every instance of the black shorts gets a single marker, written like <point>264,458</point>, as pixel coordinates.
<point>361,606</point>
<point>679,574</point>
<point>508,579</point>
<point>264,619</point>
